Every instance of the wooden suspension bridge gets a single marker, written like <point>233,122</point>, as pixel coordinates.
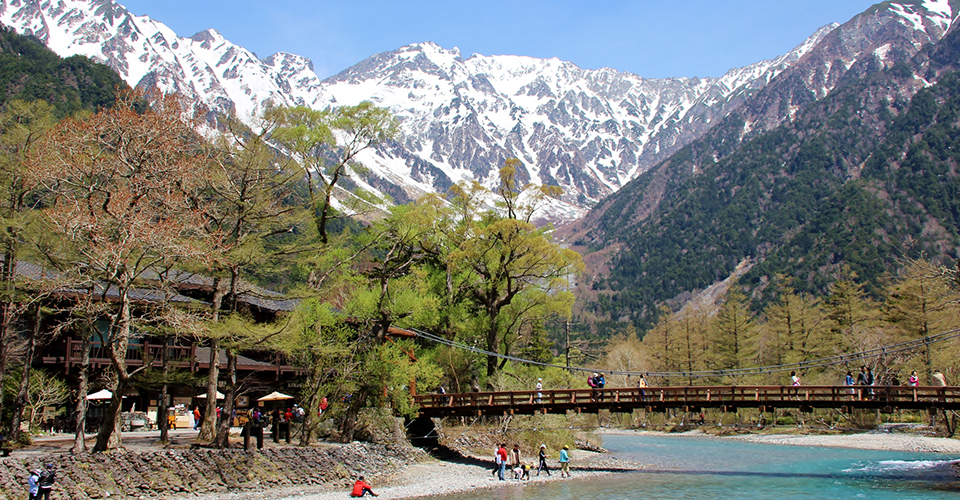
<point>690,398</point>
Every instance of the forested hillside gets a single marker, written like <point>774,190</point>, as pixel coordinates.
<point>859,180</point>
<point>29,71</point>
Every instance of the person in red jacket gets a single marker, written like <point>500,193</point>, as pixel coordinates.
<point>361,488</point>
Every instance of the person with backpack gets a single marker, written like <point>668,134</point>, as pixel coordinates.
<point>600,381</point>
<point>45,486</point>
<point>592,382</point>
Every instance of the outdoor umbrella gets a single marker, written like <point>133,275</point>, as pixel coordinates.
<point>204,395</point>
<point>101,394</point>
<point>275,396</point>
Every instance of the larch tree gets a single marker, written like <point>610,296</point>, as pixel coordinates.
<point>921,303</point>
<point>694,325</point>
<point>247,201</point>
<point>22,124</point>
<point>501,255</point>
<point>796,329</point>
<point>327,142</point>
<point>663,343</point>
<point>120,186</point>
<point>855,319</point>
<point>734,333</point>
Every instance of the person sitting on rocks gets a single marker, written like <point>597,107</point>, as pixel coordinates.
<point>360,488</point>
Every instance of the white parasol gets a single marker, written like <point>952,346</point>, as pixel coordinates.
<point>275,396</point>
<point>204,395</point>
<point>99,395</point>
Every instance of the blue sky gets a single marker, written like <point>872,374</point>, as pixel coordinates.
<point>652,38</point>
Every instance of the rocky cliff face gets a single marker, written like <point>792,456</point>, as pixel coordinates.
<point>588,131</point>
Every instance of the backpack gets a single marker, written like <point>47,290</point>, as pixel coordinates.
<point>47,478</point>
<point>591,382</point>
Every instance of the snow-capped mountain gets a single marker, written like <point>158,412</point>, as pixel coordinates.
<point>588,131</point>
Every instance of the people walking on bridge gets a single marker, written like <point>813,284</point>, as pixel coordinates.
<point>939,379</point>
<point>543,460</point>
<point>641,385</point>
<point>601,381</point>
<point>870,381</point>
<point>565,461</point>
<point>539,390</point>
<point>592,382</point>
<point>914,380</point>
<point>861,381</point>
<point>848,381</point>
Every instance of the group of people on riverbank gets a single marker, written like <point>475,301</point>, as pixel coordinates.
<point>503,459</point>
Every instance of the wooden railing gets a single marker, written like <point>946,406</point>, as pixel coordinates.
<point>694,397</point>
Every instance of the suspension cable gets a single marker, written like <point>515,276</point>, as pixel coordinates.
<point>760,370</point>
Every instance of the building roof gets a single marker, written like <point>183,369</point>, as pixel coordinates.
<point>202,356</point>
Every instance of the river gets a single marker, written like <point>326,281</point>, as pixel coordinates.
<point>688,467</point>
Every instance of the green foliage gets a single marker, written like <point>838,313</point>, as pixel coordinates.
<point>45,389</point>
<point>857,179</point>
<point>29,71</point>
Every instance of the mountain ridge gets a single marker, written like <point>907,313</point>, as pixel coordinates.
<point>849,185</point>
<point>588,131</point>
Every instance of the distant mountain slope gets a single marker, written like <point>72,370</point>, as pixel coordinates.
<point>588,131</point>
<point>29,71</point>
<point>859,179</point>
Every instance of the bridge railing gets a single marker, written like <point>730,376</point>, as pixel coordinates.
<point>696,395</point>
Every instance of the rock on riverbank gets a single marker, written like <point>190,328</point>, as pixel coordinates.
<point>173,473</point>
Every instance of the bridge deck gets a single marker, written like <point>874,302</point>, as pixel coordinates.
<point>727,398</point>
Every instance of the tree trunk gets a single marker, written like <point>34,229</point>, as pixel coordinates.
<point>20,403</point>
<point>226,415</point>
<point>80,414</point>
<point>109,438</point>
<point>7,268</point>
<point>5,325</point>
<point>491,342</point>
<point>349,425</point>
<point>162,423</point>
<point>208,428</point>
<point>310,418</point>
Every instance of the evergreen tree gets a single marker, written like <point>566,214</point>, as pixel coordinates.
<point>734,334</point>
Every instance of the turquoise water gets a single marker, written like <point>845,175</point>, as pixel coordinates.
<point>680,467</point>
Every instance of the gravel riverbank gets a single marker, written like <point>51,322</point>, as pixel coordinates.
<point>452,474</point>
<point>865,441</point>
<point>874,440</point>
<point>393,473</point>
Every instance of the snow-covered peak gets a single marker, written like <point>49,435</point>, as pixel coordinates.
<point>587,131</point>
<point>288,61</point>
<point>927,15</point>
